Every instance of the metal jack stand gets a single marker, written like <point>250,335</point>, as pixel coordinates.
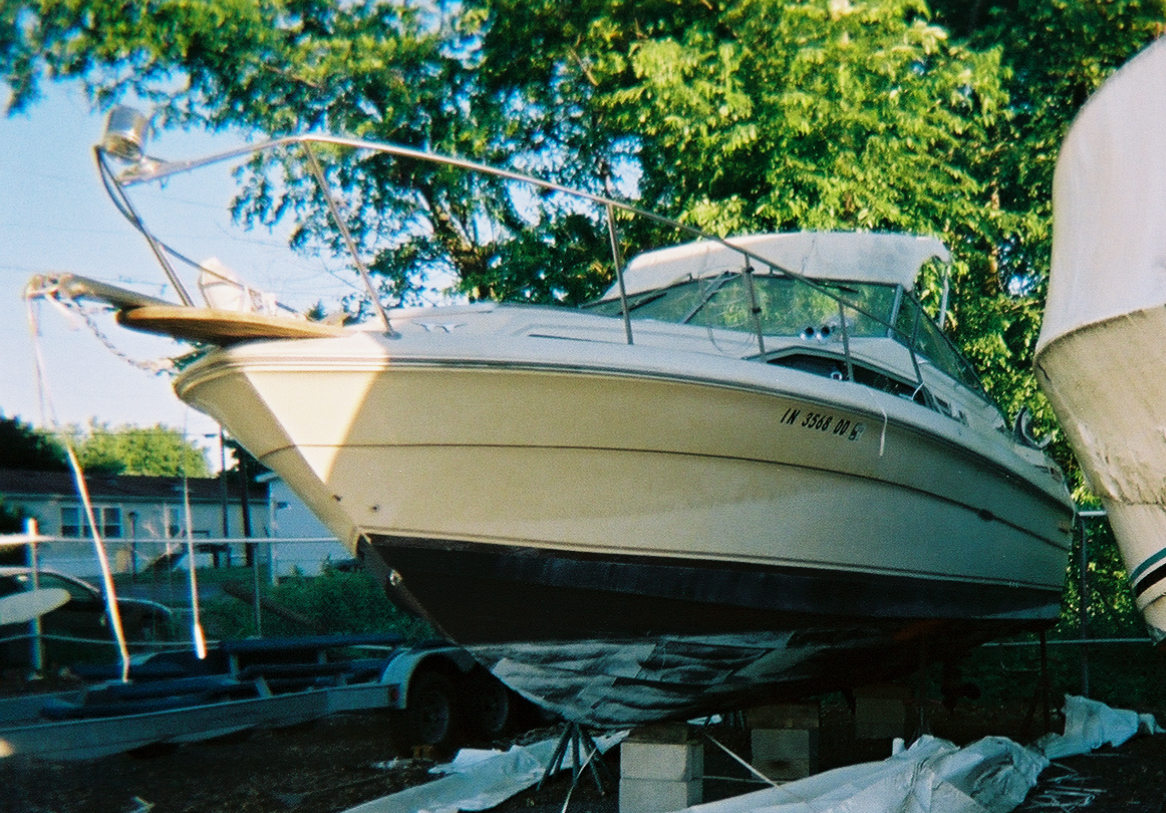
<point>578,738</point>
<point>1042,693</point>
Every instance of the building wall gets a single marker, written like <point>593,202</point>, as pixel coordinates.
<point>146,521</point>
<point>314,545</point>
<point>135,532</point>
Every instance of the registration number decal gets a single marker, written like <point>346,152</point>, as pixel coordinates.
<point>824,422</point>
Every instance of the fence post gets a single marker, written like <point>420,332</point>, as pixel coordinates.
<point>37,651</point>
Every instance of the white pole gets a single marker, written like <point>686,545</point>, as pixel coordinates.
<point>38,652</point>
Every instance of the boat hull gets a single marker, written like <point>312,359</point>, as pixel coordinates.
<point>613,641</point>
<point>566,522</point>
<point>1110,405</point>
<point>1100,356</point>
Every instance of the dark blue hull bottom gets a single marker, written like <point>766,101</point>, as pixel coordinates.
<point>615,641</point>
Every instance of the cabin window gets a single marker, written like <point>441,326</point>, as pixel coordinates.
<point>792,307</point>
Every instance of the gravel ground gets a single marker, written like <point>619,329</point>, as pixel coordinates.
<point>337,763</point>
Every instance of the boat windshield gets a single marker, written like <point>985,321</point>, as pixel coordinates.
<point>789,307</point>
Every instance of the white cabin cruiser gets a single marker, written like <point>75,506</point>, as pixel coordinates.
<point>755,468</point>
<point>1100,356</point>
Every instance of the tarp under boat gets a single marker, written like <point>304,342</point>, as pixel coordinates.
<point>991,775</point>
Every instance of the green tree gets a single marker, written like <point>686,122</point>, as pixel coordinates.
<point>734,116</point>
<point>11,522</point>
<point>155,450</point>
<point>397,72</point>
<point>24,447</point>
<point>1054,54</point>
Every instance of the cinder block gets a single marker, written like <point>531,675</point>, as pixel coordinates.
<point>785,753</point>
<point>880,712</point>
<point>664,761</point>
<point>661,769</point>
<point>657,795</point>
<point>661,732</point>
<point>784,715</point>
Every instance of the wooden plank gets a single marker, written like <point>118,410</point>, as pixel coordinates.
<point>220,327</point>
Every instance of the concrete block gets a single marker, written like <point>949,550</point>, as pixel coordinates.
<point>785,753</point>
<point>661,769</point>
<point>784,715</point>
<point>880,712</point>
<point>662,732</point>
<point>665,761</point>
<point>657,795</point>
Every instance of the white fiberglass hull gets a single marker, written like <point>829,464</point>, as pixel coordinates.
<point>559,506</point>
<point>1100,356</point>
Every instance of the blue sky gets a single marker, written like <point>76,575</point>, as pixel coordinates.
<point>55,216</point>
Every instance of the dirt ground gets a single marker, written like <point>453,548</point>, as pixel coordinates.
<point>337,763</point>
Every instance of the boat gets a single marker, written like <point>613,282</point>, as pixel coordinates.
<point>754,469</point>
<point>1099,357</point>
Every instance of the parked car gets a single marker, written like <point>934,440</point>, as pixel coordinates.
<point>83,616</point>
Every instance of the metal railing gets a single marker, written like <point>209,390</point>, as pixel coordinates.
<point>144,170</point>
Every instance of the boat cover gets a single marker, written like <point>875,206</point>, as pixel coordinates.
<point>1109,199</point>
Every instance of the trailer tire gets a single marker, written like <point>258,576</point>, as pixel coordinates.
<point>488,705</point>
<point>430,716</point>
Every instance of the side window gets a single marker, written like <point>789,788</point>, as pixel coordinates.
<point>76,591</point>
<point>912,323</point>
<point>10,585</point>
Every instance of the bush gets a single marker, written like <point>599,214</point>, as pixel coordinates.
<point>335,602</point>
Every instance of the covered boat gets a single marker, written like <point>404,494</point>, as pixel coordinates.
<point>755,468</point>
<point>1100,356</point>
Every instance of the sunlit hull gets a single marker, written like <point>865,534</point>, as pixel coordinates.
<point>625,533</point>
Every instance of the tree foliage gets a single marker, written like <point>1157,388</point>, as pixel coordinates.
<point>134,450</point>
<point>24,447</point>
<point>155,450</point>
<point>731,115</point>
<point>1053,55</point>
<point>11,522</point>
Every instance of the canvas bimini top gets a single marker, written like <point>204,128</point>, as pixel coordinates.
<point>874,257</point>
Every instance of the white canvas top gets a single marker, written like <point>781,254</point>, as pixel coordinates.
<point>1109,202</point>
<point>851,256</point>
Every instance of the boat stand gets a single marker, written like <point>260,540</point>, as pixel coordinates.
<point>1042,692</point>
<point>578,738</point>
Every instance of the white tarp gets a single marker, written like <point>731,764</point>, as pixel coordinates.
<point>1090,725</point>
<point>992,775</point>
<point>478,780</point>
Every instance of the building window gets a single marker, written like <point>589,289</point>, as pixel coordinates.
<point>71,522</point>
<point>110,519</point>
<point>75,526</point>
